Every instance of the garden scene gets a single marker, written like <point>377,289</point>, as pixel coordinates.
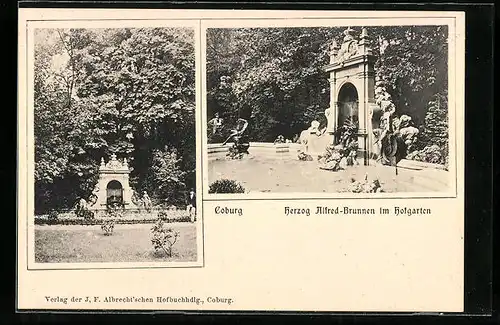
<point>344,109</point>
<point>114,118</point>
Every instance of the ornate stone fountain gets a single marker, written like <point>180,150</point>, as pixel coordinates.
<point>113,185</point>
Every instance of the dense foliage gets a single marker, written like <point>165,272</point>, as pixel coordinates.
<point>226,186</point>
<point>123,91</point>
<point>273,77</point>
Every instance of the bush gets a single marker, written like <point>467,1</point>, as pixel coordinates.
<point>431,154</point>
<point>85,214</point>
<point>97,222</point>
<point>162,215</point>
<point>163,238</point>
<point>130,218</point>
<point>165,177</point>
<point>108,227</point>
<point>53,216</point>
<point>225,186</point>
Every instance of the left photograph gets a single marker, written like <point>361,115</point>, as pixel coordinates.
<point>115,146</point>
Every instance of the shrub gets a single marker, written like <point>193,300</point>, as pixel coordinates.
<point>165,177</point>
<point>53,216</point>
<point>225,186</point>
<point>108,226</point>
<point>431,154</point>
<point>162,215</point>
<point>85,214</point>
<point>163,238</point>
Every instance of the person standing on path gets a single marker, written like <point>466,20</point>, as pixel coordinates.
<point>191,206</point>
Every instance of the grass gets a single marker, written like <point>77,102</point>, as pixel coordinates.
<point>290,175</point>
<point>128,243</point>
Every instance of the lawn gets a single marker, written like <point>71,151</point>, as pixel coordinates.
<point>128,243</point>
<point>288,174</point>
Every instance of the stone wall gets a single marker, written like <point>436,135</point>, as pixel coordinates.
<point>266,149</point>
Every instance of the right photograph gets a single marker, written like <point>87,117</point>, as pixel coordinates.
<point>328,110</point>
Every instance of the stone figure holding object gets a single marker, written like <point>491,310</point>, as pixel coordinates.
<point>241,126</point>
<point>349,46</point>
<point>240,140</point>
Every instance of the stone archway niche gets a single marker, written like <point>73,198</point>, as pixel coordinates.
<point>348,104</point>
<point>114,192</point>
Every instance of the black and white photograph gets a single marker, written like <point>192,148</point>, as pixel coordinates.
<point>319,110</point>
<point>115,146</point>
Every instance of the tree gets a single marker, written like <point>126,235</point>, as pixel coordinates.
<point>273,76</point>
<point>166,177</point>
<point>413,63</point>
<point>103,91</point>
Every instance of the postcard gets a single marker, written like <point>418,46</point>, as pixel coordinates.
<point>190,160</point>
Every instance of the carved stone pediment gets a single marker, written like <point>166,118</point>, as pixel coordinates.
<point>114,164</point>
<point>349,47</point>
<point>347,50</point>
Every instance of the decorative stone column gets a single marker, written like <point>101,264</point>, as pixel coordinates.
<point>333,114</point>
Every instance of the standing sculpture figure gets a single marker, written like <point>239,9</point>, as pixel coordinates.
<point>391,144</point>
<point>81,209</point>
<point>241,143</point>
<point>241,126</point>
<point>81,206</point>
<point>146,201</point>
<point>388,110</point>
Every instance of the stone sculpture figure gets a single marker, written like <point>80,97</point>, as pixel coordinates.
<point>408,132</point>
<point>305,139</point>
<point>81,205</point>
<point>329,120</point>
<point>241,143</point>
<point>392,142</point>
<point>146,201</point>
<point>135,198</point>
<point>82,210</point>
<point>280,139</point>
<point>351,158</point>
<point>333,46</point>
<point>349,46</point>
<point>314,128</point>
<point>388,110</point>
